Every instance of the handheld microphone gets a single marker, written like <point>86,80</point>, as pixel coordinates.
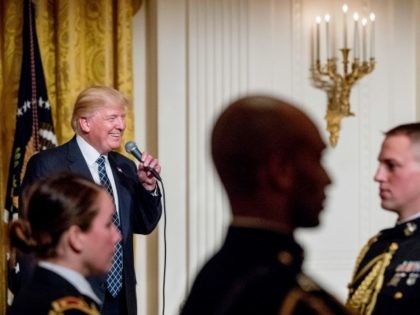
<point>131,147</point>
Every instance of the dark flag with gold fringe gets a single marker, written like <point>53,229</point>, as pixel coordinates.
<point>34,126</point>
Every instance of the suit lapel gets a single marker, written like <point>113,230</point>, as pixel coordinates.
<point>77,163</point>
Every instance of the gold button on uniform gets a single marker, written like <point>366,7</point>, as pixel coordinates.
<point>285,258</point>
<point>398,295</point>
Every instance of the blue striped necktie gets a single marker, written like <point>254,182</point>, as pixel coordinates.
<point>114,278</point>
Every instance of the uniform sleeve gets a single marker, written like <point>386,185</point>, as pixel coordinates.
<point>72,305</point>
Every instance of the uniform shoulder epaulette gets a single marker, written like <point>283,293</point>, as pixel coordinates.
<point>367,282</point>
<point>305,293</point>
<point>364,251</point>
<point>72,303</point>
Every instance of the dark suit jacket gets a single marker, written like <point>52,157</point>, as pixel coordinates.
<point>140,211</point>
<point>45,287</point>
<point>257,272</point>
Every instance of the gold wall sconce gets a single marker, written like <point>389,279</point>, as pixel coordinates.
<point>327,76</point>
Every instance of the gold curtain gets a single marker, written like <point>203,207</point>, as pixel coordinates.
<point>82,43</point>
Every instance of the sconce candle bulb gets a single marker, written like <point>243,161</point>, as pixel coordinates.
<point>318,25</point>
<point>327,32</point>
<point>356,36</point>
<point>372,35</point>
<point>364,39</point>
<point>345,9</point>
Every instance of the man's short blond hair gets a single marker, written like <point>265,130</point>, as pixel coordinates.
<point>93,98</point>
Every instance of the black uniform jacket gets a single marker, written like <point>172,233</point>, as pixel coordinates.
<point>49,293</point>
<point>398,250</point>
<point>257,272</point>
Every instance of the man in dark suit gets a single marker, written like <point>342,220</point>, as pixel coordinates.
<point>268,156</point>
<point>99,122</point>
<point>386,279</point>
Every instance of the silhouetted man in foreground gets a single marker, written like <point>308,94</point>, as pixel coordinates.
<point>268,156</point>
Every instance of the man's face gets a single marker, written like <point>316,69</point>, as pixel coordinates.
<point>105,128</point>
<point>100,239</point>
<point>398,175</point>
<point>311,179</point>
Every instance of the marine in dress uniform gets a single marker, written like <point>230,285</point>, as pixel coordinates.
<point>67,227</point>
<point>385,280</point>
<point>386,277</point>
<point>268,156</point>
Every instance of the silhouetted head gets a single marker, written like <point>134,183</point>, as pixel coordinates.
<point>268,155</point>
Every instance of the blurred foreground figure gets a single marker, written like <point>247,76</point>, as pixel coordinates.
<point>386,277</point>
<point>268,156</point>
<point>67,224</point>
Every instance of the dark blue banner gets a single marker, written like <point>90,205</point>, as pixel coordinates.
<point>34,125</point>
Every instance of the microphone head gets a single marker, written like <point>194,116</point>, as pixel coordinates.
<point>130,146</point>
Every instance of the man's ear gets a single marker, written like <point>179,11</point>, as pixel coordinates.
<point>76,238</point>
<point>84,124</point>
<point>280,173</point>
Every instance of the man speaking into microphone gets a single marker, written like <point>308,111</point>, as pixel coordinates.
<point>99,122</point>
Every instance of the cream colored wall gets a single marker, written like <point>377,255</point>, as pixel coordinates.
<point>193,56</point>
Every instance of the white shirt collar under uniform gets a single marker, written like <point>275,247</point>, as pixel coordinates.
<point>72,276</point>
<point>414,216</point>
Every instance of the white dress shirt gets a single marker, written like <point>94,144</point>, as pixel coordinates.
<point>91,155</point>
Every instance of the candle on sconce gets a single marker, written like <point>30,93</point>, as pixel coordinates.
<point>356,35</point>
<point>372,35</point>
<point>317,52</point>
<point>327,34</point>
<point>345,9</point>
<point>364,39</point>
